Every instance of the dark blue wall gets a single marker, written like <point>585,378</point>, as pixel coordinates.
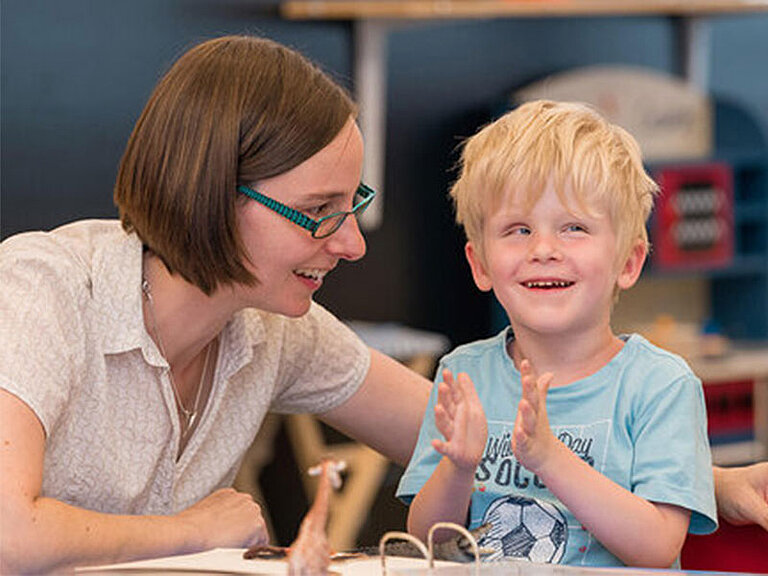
<point>76,74</point>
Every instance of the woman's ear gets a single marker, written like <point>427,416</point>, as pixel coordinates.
<point>633,266</point>
<point>477,264</point>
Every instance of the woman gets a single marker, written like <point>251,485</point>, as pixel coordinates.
<point>137,361</point>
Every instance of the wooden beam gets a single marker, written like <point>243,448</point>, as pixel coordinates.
<point>448,9</point>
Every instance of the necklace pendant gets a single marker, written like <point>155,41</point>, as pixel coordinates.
<point>190,418</point>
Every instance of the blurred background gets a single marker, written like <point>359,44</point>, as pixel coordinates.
<point>76,75</point>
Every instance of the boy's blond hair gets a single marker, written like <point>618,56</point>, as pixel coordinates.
<point>571,144</point>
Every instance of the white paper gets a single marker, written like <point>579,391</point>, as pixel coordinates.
<point>230,560</point>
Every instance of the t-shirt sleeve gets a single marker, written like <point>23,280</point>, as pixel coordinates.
<point>425,458</point>
<point>323,363</point>
<point>41,329</point>
<point>672,462</point>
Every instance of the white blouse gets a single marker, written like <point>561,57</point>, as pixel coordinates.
<point>74,348</point>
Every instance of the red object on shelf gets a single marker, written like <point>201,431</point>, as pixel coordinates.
<point>693,220</point>
<point>730,407</point>
<point>730,549</point>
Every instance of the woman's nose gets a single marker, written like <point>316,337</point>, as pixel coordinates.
<point>347,242</point>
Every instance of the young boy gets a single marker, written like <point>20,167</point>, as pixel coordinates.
<point>603,459</point>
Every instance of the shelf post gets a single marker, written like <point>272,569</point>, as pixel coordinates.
<point>694,48</point>
<point>370,78</point>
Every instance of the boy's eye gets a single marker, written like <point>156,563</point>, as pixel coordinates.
<point>575,228</point>
<point>520,230</point>
<point>516,230</point>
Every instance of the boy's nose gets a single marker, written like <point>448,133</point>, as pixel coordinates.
<point>544,247</point>
<point>347,242</point>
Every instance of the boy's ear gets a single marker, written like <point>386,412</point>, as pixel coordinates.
<point>476,263</point>
<point>632,267</point>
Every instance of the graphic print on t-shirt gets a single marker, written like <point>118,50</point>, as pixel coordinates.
<point>528,522</point>
<point>525,528</point>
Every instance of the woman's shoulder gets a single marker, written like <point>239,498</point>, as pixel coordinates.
<point>74,244</point>
<point>64,265</point>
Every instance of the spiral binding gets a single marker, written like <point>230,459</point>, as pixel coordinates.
<point>428,551</point>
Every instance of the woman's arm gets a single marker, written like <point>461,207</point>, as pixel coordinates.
<point>386,411</point>
<point>742,494</point>
<point>39,534</point>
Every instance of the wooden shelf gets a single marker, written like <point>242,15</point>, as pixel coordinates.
<point>445,9</point>
<point>372,20</point>
<point>737,453</point>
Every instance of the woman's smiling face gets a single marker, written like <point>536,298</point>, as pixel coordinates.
<point>287,261</point>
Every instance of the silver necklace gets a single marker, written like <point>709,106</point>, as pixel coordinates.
<point>189,416</point>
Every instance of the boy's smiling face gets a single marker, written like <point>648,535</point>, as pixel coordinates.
<point>552,267</point>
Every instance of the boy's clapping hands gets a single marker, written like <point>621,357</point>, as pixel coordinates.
<point>532,440</point>
<point>460,418</point>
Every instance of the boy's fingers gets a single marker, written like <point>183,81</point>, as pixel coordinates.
<point>452,386</point>
<point>443,394</point>
<point>528,417</point>
<point>440,446</point>
<point>446,400</point>
<point>530,391</point>
<point>545,381</point>
<point>448,379</point>
<point>457,394</point>
<point>519,437</point>
<point>443,422</point>
<point>467,387</point>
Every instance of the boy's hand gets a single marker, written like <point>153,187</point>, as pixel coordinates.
<point>532,439</point>
<point>460,418</point>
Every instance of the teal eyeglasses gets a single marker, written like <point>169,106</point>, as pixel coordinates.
<point>323,227</point>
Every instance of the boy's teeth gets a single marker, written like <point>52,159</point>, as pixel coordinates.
<point>549,284</point>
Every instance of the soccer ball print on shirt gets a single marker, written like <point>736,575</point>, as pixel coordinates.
<point>527,521</point>
<point>534,530</point>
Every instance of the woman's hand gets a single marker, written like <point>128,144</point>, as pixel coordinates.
<point>742,494</point>
<point>226,519</point>
<point>460,418</point>
<point>532,440</point>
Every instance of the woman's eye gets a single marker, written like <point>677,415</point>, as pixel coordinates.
<point>319,210</point>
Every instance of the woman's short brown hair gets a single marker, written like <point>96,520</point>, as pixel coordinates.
<point>232,110</point>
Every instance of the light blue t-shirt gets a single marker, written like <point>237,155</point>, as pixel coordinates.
<point>640,420</point>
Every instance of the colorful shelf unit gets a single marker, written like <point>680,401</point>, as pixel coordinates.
<point>736,394</point>
<point>738,272</point>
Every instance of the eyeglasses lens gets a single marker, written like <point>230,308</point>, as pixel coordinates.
<point>330,225</point>
<point>334,222</point>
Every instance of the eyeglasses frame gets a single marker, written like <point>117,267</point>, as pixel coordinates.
<point>304,221</point>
